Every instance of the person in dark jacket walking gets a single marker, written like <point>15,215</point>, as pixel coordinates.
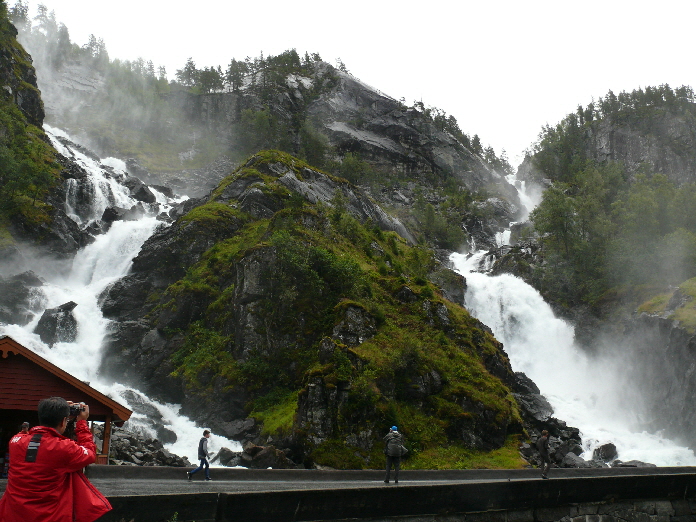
<point>203,456</point>
<point>543,447</point>
<point>393,449</point>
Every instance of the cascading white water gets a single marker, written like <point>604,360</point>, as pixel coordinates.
<point>589,393</point>
<point>94,267</point>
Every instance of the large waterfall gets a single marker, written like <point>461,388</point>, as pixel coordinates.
<point>588,392</point>
<point>94,267</point>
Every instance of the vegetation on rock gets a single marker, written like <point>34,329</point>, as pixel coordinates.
<point>27,166</point>
<point>304,312</point>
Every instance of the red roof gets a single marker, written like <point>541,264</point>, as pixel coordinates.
<point>26,378</point>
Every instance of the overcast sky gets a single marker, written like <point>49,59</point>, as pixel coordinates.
<point>502,68</point>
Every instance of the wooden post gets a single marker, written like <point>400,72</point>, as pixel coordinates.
<point>107,438</point>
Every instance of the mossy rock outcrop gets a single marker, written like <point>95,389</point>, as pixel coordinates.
<point>280,297</point>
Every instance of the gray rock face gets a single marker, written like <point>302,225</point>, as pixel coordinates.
<point>663,372</point>
<point>58,324</point>
<point>662,149</point>
<point>20,298</point>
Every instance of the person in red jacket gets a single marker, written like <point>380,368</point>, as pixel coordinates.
<point>45,482</point>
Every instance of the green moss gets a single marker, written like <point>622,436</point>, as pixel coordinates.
<point>655,305</point>
<point>686,314</point>
<point>205,352</point>
<point>214,213</point>
<point>278,416</point>
<point>337,454</point>
<point>453,456</point>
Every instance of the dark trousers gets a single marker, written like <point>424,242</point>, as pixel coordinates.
<point>204,462</point>
<point>396,463</point>
<point>545,466</point>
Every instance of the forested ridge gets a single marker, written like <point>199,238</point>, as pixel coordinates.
<point>610,227</point>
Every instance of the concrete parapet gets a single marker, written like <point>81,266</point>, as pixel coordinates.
<point>634,498</point>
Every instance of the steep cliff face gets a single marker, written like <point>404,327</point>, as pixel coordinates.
<point>285,295</point>
<point>17,74</point>
<point>659,346</point>
<point>665,149</point>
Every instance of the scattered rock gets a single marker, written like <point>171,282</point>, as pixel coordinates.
<point>605,452</point>
<point>632,464</point>
<point>128,448</point>
<point>58,325</point>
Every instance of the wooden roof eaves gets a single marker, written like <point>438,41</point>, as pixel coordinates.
<point>9,345</point>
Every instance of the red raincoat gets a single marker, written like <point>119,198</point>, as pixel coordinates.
<point>52,489</point>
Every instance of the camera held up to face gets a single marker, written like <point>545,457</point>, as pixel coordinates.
<point>76,408</point>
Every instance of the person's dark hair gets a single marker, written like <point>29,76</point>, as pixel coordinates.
<point>205,432</point>
<point>544,433</point>
<point>52,411</point>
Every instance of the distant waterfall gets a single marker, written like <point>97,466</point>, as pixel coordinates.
<point>588,393</point>
<point>94,267</point>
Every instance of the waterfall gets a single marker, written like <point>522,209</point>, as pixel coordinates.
<point>589,392</point>
<point>94,267</point>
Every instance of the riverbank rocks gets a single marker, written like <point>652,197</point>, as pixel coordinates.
<point>130,449</point>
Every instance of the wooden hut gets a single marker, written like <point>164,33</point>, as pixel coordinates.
<point>26,378</point>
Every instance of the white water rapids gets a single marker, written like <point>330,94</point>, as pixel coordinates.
<point>93,268</point>
<point>589,393</point>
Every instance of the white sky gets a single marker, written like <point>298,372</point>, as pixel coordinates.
<point>502,68</point>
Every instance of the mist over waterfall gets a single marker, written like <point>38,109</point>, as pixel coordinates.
<point>93,268</point>
<point>588,392</point>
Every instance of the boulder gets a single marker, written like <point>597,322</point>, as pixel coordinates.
<point>239,429</point>
<point>151,416</point>
<point>227,457</point>
<point>139,190</point>
<point>264,457</point>
<point>605,452</point>
<point>130,448</point>
<point>571,460</point>
<point>58,325</point>
<point>406,295</point>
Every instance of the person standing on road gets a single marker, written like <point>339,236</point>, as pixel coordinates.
<point>543,447</point>
<point>203,456</point>
<point>45,482</point>
<point>393,449</point>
